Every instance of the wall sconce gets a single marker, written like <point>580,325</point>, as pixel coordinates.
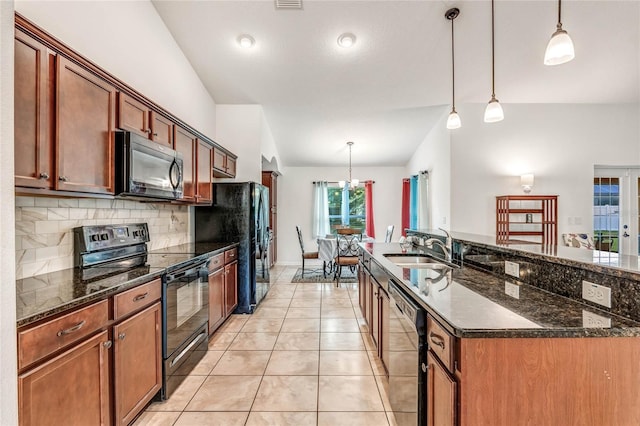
<point>526,181</point>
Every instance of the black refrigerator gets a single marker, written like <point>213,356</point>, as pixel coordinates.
<point>240,213</point>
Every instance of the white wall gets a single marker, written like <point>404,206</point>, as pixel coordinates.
<point>8,357</point>
<point>129,40</point>
<point>239,128</point>
<point>295,201</point>
<point>559,143</point>
<point>434,155</point>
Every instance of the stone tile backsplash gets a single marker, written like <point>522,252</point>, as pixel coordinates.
<point>44,227</point>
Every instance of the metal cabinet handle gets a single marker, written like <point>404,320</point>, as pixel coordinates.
<point>140,297</point>
<point>121,336</point>
<point>107,344</point>
<point>70,330</point>
<point>155,134</point>
<point>436,340</point>
<point>63,179</point>
<point>44,175</point>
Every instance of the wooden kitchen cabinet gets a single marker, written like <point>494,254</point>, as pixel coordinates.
<point>137,362</point>
<point>34,70</point>
<point>136,117</point>
<point>441,394</point>
<point>270,180</point>
<point>224,164</point>
<point>85,112</point>
<point>186,143</point>
<point>231,287</point>
<point>70,389</point>
<point>204,189</point>
<point>217,311</point>
<point>374,325</point>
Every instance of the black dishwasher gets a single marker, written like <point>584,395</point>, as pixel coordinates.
<point>407,359</point>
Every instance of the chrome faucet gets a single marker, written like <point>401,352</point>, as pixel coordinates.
<point>446,247</point>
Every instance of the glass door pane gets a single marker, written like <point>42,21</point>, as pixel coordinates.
<point>606,213</point>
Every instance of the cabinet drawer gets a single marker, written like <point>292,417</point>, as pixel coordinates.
<point>131,300</point>
<point>230,255</point>
<point>441,343</point>
<point>216,262</point>
<point>44,339</point>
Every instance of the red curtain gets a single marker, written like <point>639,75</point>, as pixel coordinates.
<point>406,197</point>
<point>368,208</point>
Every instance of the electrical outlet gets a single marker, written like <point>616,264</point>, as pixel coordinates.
<point>596,293</point>
<point>512,289</point>
<point>512,268</point>
<point>591,320</point>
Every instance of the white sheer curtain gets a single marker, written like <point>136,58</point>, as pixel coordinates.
<point>424,217</point>
<point>320,210</point>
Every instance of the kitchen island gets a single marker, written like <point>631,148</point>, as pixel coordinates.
<point>524,356</point>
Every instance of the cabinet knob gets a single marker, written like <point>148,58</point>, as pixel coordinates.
<point>121,336</point>
<point>155,134</point>
<point>107,344</point>
<point>44,175</point>
<point>63,179</point>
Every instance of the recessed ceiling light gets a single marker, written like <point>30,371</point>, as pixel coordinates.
<point>246,41</point>
<point>346,40</point>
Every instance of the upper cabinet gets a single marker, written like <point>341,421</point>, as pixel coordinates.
<point>224,164</point>
<point>86,107</point>
<point>66,113</point>
<point>34,74</point>
<point>136,117</point>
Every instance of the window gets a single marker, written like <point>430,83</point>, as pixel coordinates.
<point>346,207</point>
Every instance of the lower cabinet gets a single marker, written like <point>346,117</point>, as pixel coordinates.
<point>374,304</point>
<point>137,362</point>
<point>223,288</point>
<point>70,389</point>
<point>441,394</point>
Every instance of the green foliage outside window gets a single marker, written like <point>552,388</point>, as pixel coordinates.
<point>356,217</point>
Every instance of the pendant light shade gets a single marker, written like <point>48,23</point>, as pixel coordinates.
<point>493,112</point>
<point>351,183</point>
<point>560,48</point>
<point>453,122</point>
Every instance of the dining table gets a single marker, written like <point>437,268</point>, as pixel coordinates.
<point>328,250</point>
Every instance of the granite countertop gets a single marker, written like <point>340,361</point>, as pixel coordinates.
<point>473,303</point>
<point>45,295</point>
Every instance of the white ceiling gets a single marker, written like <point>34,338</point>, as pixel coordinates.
<point>387,92</point>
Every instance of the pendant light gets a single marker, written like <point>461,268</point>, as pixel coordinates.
<point>493,112</point>
<point>453,122</point>
<point>351,183</point>
<point>560,47</point>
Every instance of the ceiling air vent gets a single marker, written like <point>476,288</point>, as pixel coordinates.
<point>288,4</point>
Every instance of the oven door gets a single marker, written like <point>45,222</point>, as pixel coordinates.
<point>186,306</point>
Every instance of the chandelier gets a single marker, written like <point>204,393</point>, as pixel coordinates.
<point>351,183</point>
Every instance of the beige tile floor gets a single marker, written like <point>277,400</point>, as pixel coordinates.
<point>303,358</point>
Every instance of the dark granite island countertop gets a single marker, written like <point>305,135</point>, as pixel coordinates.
<point>45,295</point>
<point>473,303</point>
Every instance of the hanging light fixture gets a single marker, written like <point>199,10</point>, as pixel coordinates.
<point>351,183</point>
<point>560,47</point>
<point>453,122</point>
<point>493,112</point>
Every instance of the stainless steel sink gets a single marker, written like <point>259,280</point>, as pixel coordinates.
<point>425,262</point>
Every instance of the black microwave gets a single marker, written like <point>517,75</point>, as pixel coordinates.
<point>145,169</point>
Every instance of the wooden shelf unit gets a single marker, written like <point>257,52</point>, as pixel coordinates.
<point>511,212</point>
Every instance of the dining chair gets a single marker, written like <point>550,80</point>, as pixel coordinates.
<point>305,255</point>
<point>387,237</point>
<point>349,231</point>
<point>347,254</point>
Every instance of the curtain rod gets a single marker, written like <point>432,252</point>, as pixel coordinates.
<point>335,181</point>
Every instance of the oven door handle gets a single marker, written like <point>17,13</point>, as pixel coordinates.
<point>193,271</point>
<point>175,185</point>
<point>194,342</point>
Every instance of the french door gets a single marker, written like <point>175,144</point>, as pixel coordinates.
<point>616,219</point>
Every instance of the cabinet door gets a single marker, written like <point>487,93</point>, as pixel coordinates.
<point>231,287</point>
<point>161,130</point>
<point>204,193</point>
<point>441,394</point>
<point>219,160</point>
<point>71,389</point>
<point>185,143</point>
<point>361,290</point>
<point>133,115</point>
<point>231,166</point>
<point>34,82</point>
<point>137,362</point>
<point>217,311</point>
<point>374,327</point>
<point>85,125</point>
